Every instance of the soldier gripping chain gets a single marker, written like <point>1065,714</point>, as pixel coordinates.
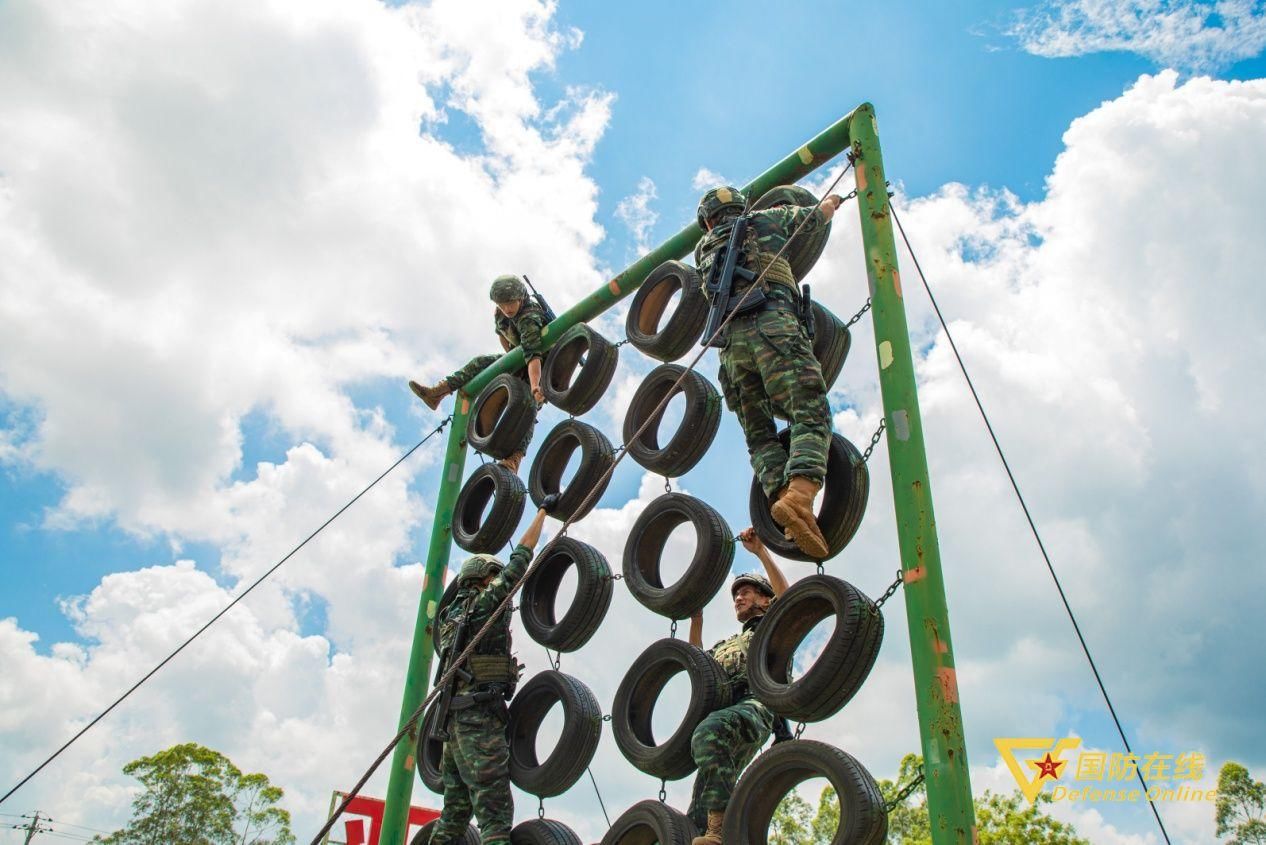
<point>476,762</point>
<point>767,361</point>
<point>727,739</point>
<point>518,321</point>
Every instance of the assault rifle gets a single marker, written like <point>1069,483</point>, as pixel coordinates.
<point>550,316</point>
<point>439,729</point>
<point>719,285</point>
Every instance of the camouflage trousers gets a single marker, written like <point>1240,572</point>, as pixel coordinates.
<point>476,769</point>
<point>768,370</point>
<point>723,744</point>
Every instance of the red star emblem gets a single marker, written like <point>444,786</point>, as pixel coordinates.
<point>1048,768</point>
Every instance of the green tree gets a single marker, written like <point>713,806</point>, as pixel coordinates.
<point>1240,809</point>
<point>792,821</point>
<point>1012,820</point>
<point>196,796</point>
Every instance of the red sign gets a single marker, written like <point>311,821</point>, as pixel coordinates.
<point>366,830</point>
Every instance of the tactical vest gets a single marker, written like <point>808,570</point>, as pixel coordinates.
<point>508,327</point>
<point>757,256</point>
<point>732,655</point>
<point>491,662</point>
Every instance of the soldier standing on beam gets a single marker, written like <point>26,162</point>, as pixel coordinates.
<point>767,362</point>
<point>727,739</point>
<point>518,321</point>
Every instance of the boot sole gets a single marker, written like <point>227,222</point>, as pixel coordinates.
<point>804,532</point>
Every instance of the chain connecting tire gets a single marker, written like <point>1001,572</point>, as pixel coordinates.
<point>843,502</point>
<point>582,728</point>
<point>543,832</point>
<point>845,661</point>
<point>477,532</point>
<point>831,342</point>
<point>502,418</point>
<point>571,385</point>
<point>648,822</point>
<point>594,587</point>
<point>546,477</point>
<point>777,772</point>
<point>669,341</point>
<point>707,570</point>
<point>698,427</point>
<point>423,836</point>
<point>429,753</point>
<point>805,248</point>
<point>635,703</point>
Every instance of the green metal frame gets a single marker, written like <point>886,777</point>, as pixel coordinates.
<point>940,720</point>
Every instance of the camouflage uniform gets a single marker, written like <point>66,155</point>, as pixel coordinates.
<point>727,739</point>
<point>768,368</point>
<point>476,763</point>
<point>523,329</point>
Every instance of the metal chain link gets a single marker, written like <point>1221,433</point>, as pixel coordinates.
<point>672,629</point>
<point>905,793</point>
<point>668,485</point>
<point>663,791</point>
<point>621,343</point>
<point>799,729</point>
<point>540,809</point>
<point>891,591</point>
<point>859,314</point>
<point>874,440</point>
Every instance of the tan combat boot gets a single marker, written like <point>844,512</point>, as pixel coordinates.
<point>431,395</point>
<point>713,834</point>
<point>512,462</point>
<point>794,512</point>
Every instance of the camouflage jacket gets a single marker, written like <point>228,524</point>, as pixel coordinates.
<point>523,329</point>
<point>732,653</point>
<point>768,231</point>
<point>480,603</point>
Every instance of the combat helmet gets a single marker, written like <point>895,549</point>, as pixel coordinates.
<point>717,200</point>
<point>753,579</point>
<point>479,567</point>
<point>507,289</point>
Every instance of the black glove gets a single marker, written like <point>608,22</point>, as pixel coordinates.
<point>550,502</point>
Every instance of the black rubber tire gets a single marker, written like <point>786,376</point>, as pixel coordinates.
<point>776,772</point>
<point>543,832</point>
<point>423,836</point>
<point>707,570</point>
<point>649,822</point>
<point>845,661</point>
<point>806,248</point>
<point>842,502</point>
<point>597,456</point>
<point>502,417</point>
<point>699,421</point>
<point>570,385</point>
<point>429,753</point>
<point>831,342</point>
<point>594,588</point>
<point>477,532</point>
<point>450,592</point>
<point>667,341</point>
<point>635,702</point>
<point>582,728</point>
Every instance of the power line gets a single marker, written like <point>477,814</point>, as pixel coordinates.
<point>1028,516</point>
<point>225,610</point>
<point>593,491</point>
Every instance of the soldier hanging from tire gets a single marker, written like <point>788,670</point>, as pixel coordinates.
<point>767,362</point>
<point>727,739</point>
<point>476,762</point>
<point>518,321</point>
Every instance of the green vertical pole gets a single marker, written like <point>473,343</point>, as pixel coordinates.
<point>936,686</point>
<point>395,821</point>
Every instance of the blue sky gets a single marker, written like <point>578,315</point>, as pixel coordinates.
<point>202,365</point>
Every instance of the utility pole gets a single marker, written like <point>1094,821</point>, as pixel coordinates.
<point>32,827</point>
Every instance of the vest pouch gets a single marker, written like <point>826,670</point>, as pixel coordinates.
<point>493,669</point>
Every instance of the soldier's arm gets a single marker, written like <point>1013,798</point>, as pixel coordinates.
<point>756,546</point>
<point>530,339</point>
<point>520,559</point>
<point>696,630</point>
<point>505,344</point>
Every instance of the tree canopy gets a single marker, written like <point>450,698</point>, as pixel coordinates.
<point>195,796</point>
